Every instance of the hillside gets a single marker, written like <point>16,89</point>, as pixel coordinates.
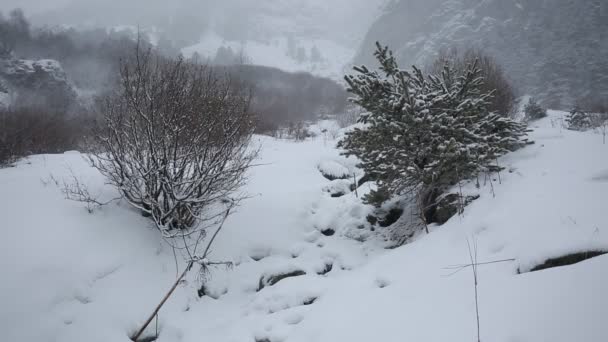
<point>551,49</point>
<point>70,276</point>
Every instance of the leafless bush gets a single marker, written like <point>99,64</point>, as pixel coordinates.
<point>599,122</point>
<point>75,190</point>
<point>494,78</point>
<point>297,131</point>
<point>175,141</point>
<point>350,116</point>
<point>26,131</point>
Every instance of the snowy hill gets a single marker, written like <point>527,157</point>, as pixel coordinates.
<point>284,33</point>
<point>552,49</point>
<point>261,29</point>
<point>68,275</point>
<point>275,53</point>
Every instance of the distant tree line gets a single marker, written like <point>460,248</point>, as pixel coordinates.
<point>91,59</point>
<point>282,98</point>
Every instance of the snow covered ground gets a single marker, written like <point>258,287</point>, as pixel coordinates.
<point>67,275</point>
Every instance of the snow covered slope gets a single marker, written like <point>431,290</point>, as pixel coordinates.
<point>70,276</point>
<point>283,33</point>
<point>274,53</point>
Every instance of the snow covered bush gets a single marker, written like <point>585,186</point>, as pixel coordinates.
<point>175,141</point>
<point>423,134</point>
<point>534,111</point>
<point>578,120</point>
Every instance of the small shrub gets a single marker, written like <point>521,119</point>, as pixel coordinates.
<point>534,111</point>
<point>27,131</point>
<point>578,120</point>
<point>175,141</point>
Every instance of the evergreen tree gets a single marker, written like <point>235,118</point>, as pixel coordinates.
<point>301,56</point>
<point>534,111</point>
<point>425,133</point>
<point>315,55</point>
<point>578,120</point>
<point>292,46</point>
<point>224,56</point>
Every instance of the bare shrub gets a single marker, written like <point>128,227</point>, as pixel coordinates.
<point>27,131</point>
<point>174,141</point>
<point>76,190</point>
<point>297,131</point>
<point>599,122</point>
<point>503,100</point>
<point>533,111</point>
<point>350,116</point>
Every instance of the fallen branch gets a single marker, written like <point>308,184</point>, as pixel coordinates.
<point>200,260</point>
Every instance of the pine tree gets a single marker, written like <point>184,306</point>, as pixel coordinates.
<point>425,133</point>
<point>315,55</point>
<point>301,56</point>
<point>578,120</point>
<point>534,111</point>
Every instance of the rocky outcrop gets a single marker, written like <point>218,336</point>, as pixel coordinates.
<point>35,83</point>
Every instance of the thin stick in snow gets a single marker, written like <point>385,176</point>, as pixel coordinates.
<point>204,263</point>
<point>498,168</point>
<point>474,265</point>
<point>473,257</point>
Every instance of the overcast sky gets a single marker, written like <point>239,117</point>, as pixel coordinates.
<point>343,20</point>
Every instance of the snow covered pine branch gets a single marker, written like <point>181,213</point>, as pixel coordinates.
<point>423,134</point>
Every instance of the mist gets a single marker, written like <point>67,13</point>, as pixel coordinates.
<point>342,21</point>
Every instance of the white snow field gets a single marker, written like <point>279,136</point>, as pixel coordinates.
<point>67,275</point>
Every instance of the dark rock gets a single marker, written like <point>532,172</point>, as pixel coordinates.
<point>391,217</point>
<point>569,259</point>
<point>327,269</point>
<point>273,279</point>
<point>364,179</point>
<point>446,207</point>
<point>372,219</point>
<point>310,300</point>
<point>328,232</point>
<point>202,291</point>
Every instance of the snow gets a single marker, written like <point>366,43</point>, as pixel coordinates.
<point>68,275</point>
<point>334,169</point>
<point>274,54</point>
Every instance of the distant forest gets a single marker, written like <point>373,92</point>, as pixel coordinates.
<point>90,58</point>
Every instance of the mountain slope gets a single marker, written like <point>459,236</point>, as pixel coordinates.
<point>69,275</point>
<point>552,49</point>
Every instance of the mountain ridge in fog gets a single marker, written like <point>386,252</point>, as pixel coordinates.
<point>551,49</point>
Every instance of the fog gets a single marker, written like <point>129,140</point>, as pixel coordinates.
<point>342,21</point>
